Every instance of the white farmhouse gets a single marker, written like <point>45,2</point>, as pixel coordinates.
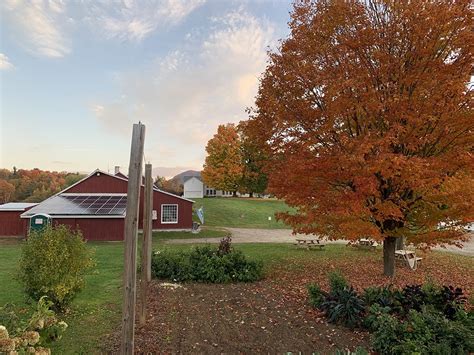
<point>193,187</point>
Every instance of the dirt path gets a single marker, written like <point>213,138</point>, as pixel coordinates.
<point>248,235</point>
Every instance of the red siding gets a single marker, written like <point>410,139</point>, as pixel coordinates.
<point>100,184</point>
<point>11,224</point>
<point>95,228</point>
<point>185,211</point>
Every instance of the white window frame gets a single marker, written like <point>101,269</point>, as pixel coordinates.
<point>177,213</point>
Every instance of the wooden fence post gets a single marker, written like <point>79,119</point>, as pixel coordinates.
<point>145,275</point>
<point>131,230</point>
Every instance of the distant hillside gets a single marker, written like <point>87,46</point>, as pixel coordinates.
<point>180,177</point>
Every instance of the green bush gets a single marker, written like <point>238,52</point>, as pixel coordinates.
<point>206,264</point>
<point>424,332</point>
<point>53,263</point>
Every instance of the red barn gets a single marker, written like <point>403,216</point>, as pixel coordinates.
<point>96,205</point>
<point>11,225</point>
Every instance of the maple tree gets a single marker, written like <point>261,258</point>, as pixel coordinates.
<point>254,179</point>
<point>365,114</point>
<point>223,168</point>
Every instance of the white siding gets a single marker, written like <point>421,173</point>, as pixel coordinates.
<point>193,188</point>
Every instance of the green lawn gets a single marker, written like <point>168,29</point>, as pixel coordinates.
<point>241,212</point>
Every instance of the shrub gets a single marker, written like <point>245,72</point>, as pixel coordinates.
<point>343,306</point>
<point>32,336</point>
<point>425,332</point>
<point>53,262</point>
<point>206,264</point>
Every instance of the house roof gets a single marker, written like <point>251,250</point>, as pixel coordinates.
<point>16,206</point>
<point>186,178</point>
<point>120,174</point>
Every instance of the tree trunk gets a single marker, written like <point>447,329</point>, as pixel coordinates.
<point>250,194</point>
<point>400,243</point>
<point>234,194</point>
<point>389,245</point>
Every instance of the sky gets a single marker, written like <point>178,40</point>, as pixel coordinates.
<point>76,75</point>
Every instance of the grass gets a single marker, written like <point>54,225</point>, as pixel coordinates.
<point>241,212</point>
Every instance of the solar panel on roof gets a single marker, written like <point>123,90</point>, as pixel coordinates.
<point>82,205</point>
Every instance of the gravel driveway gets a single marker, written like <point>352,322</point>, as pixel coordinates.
<point>249,235</point>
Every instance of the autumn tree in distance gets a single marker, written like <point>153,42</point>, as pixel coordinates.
<point>365,113</point>
<point>223,167</point>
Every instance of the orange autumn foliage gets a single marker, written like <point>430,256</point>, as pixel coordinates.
<point>223,168</point>
<point>365,112</point>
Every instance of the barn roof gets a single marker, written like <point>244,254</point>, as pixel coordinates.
<point>16,206</point>
<point>82,205</point>
<point>56,204</point>
<point>124,179</point>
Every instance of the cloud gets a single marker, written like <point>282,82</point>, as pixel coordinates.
<point>184,96</point>
<point>135,20</point>
<point>5,63</point>
<point>39,26</point>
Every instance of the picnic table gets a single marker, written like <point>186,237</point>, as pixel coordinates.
<point>367,243</point>
<point>408,256</point>
<point>309,243</point>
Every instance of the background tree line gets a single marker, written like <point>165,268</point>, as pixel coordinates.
<point>21,185</point>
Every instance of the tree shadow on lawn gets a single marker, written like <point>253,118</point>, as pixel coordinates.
<point>273,315</point>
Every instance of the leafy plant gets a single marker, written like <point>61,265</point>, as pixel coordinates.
<point>343,306</point>
<point>54,262</point>
<point>413,297</point>
<point>383,296</point>
<point>34,335</point>
<point>337,281</point>
<point>452,300</point>
<point>373,314</point>
<point>316,295</point>
<point>225,246</point>
<point>358,351</point>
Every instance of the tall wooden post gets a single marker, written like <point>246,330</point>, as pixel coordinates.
<point>131,231</point>
<point>145,275</point>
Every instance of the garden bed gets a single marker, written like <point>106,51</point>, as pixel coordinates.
<point>234,318</point>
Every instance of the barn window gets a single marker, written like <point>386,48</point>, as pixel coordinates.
<point>169,213</point>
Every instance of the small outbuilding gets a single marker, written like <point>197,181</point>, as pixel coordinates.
<point>11,225</point>
<point>96,205</point>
